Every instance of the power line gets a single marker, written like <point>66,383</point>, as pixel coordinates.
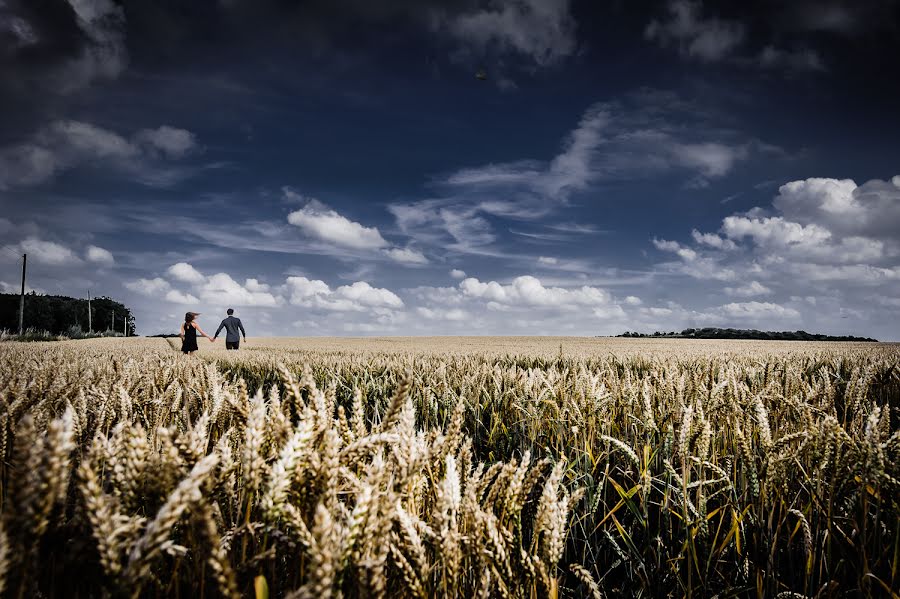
<point>12,252</point>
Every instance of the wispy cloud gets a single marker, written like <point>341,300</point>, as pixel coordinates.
<point>65,145</point>
<point>542,31</point>
<point>640,136</point>
<point>710,39</point>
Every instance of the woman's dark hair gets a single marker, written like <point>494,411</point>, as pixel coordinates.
<point>189,317</point>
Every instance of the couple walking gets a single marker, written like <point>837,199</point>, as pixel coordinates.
<point>190,328</point>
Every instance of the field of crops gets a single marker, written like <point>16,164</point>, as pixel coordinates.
<point>442,467</point>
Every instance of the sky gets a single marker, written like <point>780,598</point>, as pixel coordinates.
<point>415,167</point>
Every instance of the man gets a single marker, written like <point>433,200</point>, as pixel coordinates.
<point>231,325</point>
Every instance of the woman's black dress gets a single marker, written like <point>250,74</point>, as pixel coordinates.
<point>190,339</point>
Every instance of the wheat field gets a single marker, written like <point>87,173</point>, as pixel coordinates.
<point>450,467</point>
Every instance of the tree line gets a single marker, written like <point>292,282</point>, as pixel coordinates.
<point>719,333</point>
<point>60,315</point>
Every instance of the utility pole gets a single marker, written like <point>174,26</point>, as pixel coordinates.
<point>112,321</point>
<point>89,311</point>
<point>125,326</point>
<point>22,297</point>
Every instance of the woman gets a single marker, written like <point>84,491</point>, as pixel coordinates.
<point>189,330</point>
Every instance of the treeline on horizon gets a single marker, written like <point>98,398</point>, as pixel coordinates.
<point>718,333</point>
<point>61,315</point>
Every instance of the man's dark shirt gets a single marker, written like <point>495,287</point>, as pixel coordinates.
<point>231,325</point>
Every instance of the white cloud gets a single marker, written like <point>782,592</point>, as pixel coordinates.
<point>821,238</point>
<point>453,315</point>
<point>529,291</point>
<point>458,274</point>
<point>100,256</point>
<point>177,297</point>
<point>541,30</point>
<point>633,300</point>
<point>253,285</point>
<point>358,297</point>
<point>685,253</point>
<point>366,295</point>
<point>182,271</point>
<point>713,240</point>
<point>810,242</point>
<point>149,287</point>
<point>17,288</point>
<point>44,252</point>
<point>406,256</point>
<point>220,289</point>
<point>870,210</point>
<point>548,261</point>
<point>751,289</point>
<point>321,222</point>
<point>774,231</point>
<point>302,289</point>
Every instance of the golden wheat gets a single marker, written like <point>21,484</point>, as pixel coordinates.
<point>519,467</point>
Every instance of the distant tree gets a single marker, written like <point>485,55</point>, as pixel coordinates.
<point>57,314</point>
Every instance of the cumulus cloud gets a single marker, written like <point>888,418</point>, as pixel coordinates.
<point>366,295</point>
<point>524,305</point>
<point>358,297</point>
<point>100,256</point>
<point>458,274</point>
<point>177,297</point>
<point>325,225</point>
<point>44,252</point>
<point>811,242</point>
<point>871,209</point>
<point>529,291</point>
<point>149,287</point>
<point>64,145</point>
<point>685,253</point>
<point>712,240</point>
<point>821,239</point>
<point>220,289</point>
<point>182,271</point>
<point>406,256</point>
<point>217,289</point>
<point>320,222</point>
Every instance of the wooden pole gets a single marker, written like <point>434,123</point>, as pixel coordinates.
<point>22,297</point>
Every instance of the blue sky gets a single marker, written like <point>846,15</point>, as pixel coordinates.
<point>338,168</point>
